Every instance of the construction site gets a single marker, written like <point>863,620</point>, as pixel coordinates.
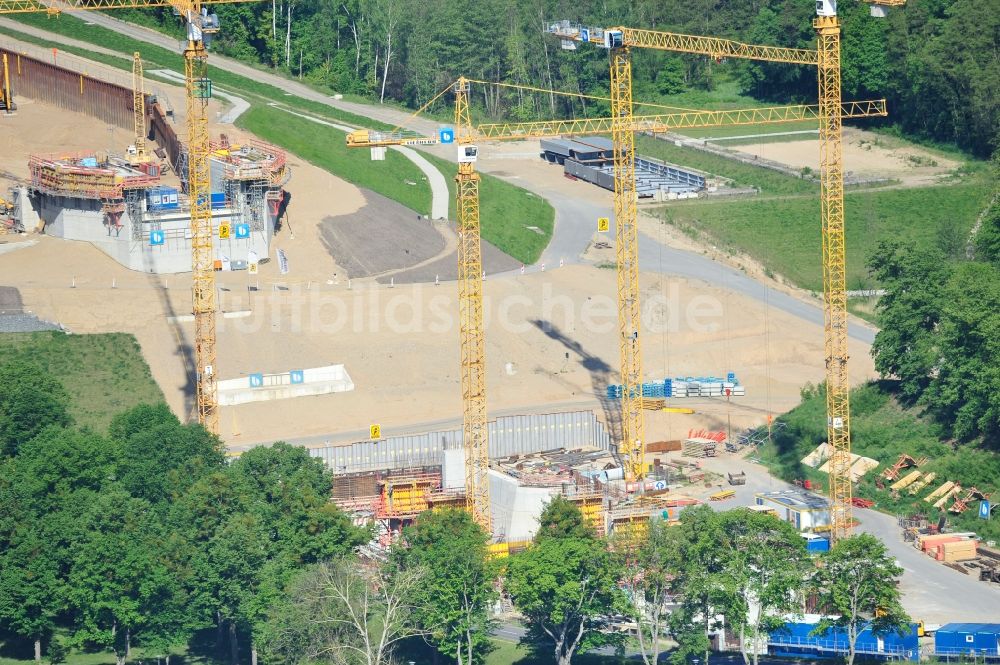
<point>135,206</point>
<point>428,368</point>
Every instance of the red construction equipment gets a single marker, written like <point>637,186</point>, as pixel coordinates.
<point>904,462</point>
<point>862,503</point>
<point>962,504</point>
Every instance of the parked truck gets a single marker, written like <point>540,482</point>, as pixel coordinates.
<point>738,478</point>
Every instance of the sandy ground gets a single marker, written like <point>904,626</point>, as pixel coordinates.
<point>865,155</point>
<point>550,336</point>
<point>550,341</point>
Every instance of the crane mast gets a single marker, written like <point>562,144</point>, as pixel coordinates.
<point>826,58</point>
<point>831,183</point>
<point>632,447</point>
<point>470,305</point>
<point>203,288</point>
<point>139,108</point>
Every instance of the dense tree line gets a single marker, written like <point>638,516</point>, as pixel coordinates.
<point>438,585</point>
<point>934,59</point>
<point>144,536</point>
<point>939,331</point>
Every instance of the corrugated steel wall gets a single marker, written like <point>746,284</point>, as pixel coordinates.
<point>164,135</point>
<point>508,435</point>
<point>70,90</point>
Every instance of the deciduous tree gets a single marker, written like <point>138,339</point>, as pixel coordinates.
<point>454,600</point>
<point>857,586</point>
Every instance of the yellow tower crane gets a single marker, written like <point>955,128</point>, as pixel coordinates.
<point>466,135</point>
<point>138,155</point>
<point>6,96</point>
<point>198,91</point>
<point>619,41</point>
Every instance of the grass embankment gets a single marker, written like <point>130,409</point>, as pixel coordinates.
<point>325,147</point>
<point>883,430</point>
<point>780,227</point>
<point>506,211</point>
<point>508,215</point>
<point>783,233</point>
<point>103,374</point>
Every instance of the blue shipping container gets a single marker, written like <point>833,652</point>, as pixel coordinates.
<point>797,641</point>
<point>967,639</point>
<point>816,544</point>
<point>162,198</point>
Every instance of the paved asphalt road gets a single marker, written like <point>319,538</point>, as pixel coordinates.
<point>931,591</point>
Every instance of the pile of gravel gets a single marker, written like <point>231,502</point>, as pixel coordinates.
<point>18,323</point>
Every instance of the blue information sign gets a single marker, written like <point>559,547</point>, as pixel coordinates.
<point>156,237</point>
<point>256,380</point>
<point>297,376</point>
<point>984,510</point>
<point>241,231</point>
<point>446,135</point>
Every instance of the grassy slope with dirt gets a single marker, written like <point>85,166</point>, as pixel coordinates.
<point>506,210</point>
<point>783,232</point>
<point>883,430</point>
<point>780,227</point>
<point>103,374</point>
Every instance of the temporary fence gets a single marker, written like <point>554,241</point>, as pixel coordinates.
<point>508,435</point>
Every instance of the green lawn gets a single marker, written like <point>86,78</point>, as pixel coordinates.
<point>883,430</point>
<point>326,147</point>
<point>103,374</point>
<point>784,233</point>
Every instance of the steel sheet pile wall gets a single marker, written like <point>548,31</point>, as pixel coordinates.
<point>508,435</point>
<point>70,90</point>
<point>164,135</point>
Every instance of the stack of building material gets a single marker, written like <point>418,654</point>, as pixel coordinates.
<point>930,543</point>
<point>663,446</point>
<point>954,491</point>
<point>906,480</point>
<point>922,483</point>
<point>962,550</point>
<point>946,487</point>
<point>698,447</point>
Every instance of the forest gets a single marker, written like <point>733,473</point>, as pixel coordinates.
<point>935,60</point>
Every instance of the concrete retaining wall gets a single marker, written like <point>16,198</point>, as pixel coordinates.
<point>508,435</point>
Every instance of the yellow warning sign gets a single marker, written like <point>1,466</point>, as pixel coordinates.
<point>375,432</point>
<point>223,231</point>
<point>252,268</point>
<point>603,224</point>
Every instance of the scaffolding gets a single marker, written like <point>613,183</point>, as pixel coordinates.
<point>86,177</point>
